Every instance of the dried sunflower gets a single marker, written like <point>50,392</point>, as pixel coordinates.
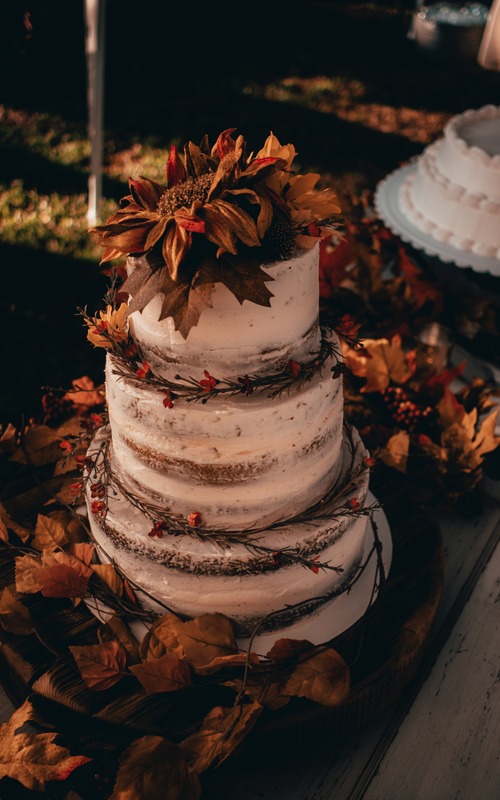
<point>222,214</point>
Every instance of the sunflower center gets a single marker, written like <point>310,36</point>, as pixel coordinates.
<point>183,194</point>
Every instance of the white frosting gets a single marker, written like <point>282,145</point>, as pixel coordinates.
<point>454,194</point>
<point>156,565</point>
<point>233,339</point>
<point>241,463</point>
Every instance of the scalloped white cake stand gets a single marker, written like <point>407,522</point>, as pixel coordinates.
<point>387,207</point>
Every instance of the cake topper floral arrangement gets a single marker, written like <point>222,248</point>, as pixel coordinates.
<point>221,215</point>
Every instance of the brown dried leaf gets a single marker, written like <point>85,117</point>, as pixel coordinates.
<point>288,649</point>
<point>232,660</point>
<point>33,759</point>
<point>395,452</point>
<point>83,551</point>
<point>153,767</point>
<point>60,580</point>
<point>485,440</point>
<point>185,302</point>
<point>221,732</point>
<point>324,678</point>
<point>4,533</point>
<point>27,569</point>
<point>166,674</point>
<point>10,524</point>
<point>8,439</point>
<point>100,665</point>
<point>109,575</point>
<point>199,640</point>
<point>380,361</point>
<point>14,616</point>
<point>40,446</point>
<point>49,534</point>
<point>117,630</point>
<point>71,522</point>
<point>261,689</point>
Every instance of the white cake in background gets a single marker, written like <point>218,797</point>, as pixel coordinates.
<point>454,193</point>
<point>242,463</point>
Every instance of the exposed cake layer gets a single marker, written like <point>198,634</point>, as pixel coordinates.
<point>191,575</point>
<point>470,155</point>
<point>239,462</point>
<point>447,211</point>
<point>233,339</point>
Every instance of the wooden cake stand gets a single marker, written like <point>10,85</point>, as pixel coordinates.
<point>383,650</point>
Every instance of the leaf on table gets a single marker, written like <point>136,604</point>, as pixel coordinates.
<point>231,660</point>
<point>27,568</point>
<point>449,409</point>
<point>199,640</point>
<point>288,649</point>
<point>395,452</point>
<point>221,732</point>
<point>324,678</point>
<point>486,441</point>
<point>7,522</point>
<point>60,580</point>
<point>83,551</point>
<point>166,674</point>
<point>109,575</point>
<point>100,665</point>
<point>40,446</point>
<point>261,688</point>
<point>49,534</point>
<point>152,767</point>
<point>117,630</point>
<point>75,532</point>
<point>34,759</point>
<point>14,615</point>
<point>84,394</point>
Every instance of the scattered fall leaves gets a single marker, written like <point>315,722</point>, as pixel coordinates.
<point>100,665</point>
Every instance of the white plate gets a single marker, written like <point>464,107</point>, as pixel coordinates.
<point>388,209</point>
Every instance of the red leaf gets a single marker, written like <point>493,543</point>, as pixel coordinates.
<point>176,171</point>
<point>225,143</point>
<point>59,580</point>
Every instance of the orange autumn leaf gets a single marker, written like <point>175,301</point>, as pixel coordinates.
<point>7,523</point>
<point>83,551</point>
<point>109,575</point>
<point>75,532</point>
<point>166,674</point>
<point>40,446</point>
<point>324,678</point>
<point>33,759</point>
<point>223,729</point>
<point>8,439</point>
<point>485,440</point>
<point>100,665</point>
<point>14,615</point>
<point>199,640</point>
<point>380,361</point>
<point>421,290</point>
<point>261,688</point>
<point>449,409</point>
<point>395,452</point>
<point>152,767</point>
<point>49,534</point>
<point>84,394</point>
<point>4,533</point>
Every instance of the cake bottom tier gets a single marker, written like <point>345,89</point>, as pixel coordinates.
<point>264,581</point>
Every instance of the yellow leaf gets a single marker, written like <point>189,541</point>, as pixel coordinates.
<point>380,361</point>
<point>221,732</point>
<point>109,575</point>
<point>14,615</point>
<point>323,678</point>
<point>49,534</point>
<point>395,452</point>
<point>153,767</point>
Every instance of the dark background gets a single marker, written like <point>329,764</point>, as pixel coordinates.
<point>175,72</point>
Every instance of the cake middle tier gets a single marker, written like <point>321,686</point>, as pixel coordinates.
<point>240,462</point>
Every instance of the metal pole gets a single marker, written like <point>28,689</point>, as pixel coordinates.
<point>94,49</point>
